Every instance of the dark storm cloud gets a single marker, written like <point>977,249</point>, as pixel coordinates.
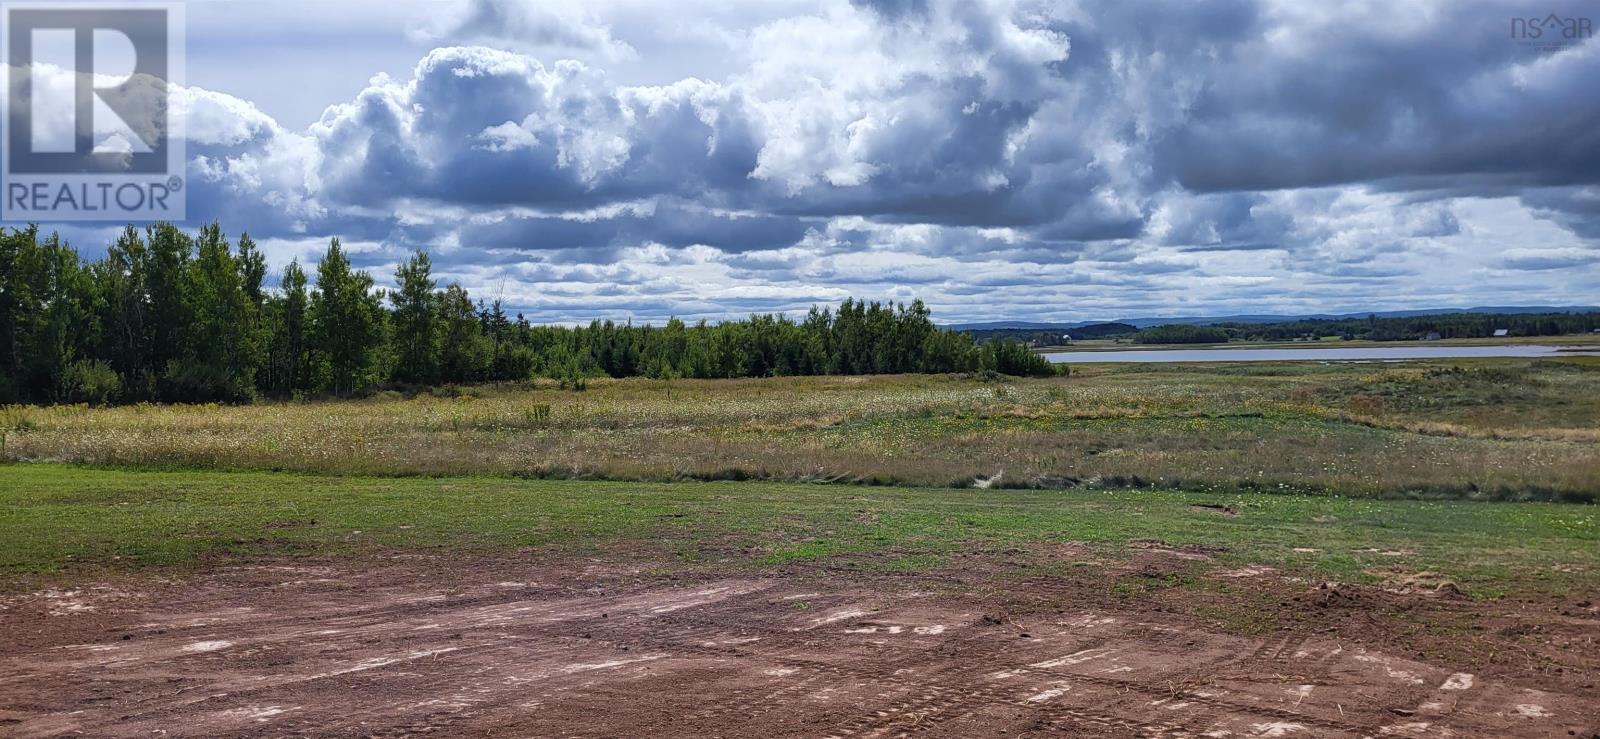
<point>1575,208</point>
<point>1419,91</point>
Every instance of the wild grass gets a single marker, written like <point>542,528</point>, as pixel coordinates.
<point>1502,429</point>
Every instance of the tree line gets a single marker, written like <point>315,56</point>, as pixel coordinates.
<point>167,316</point>
<point>1403,328</point>
<point>1375,328</point>
<point>1182,333</point>
<point>1055,336</point>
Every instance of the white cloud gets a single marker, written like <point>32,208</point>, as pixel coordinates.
<point>561,27</point>
<point>1004,158</point>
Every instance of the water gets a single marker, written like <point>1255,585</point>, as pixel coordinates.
<point>1347,354</point>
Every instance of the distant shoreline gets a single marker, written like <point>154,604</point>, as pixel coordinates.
<point>1570,342</point>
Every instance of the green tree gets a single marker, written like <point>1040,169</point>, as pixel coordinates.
<point>166,267</point>
<point>346,325</point>
<point>123,280</point>
<point>16,309</point>
<point>284,315</point>
<point>221,349</point>
<point>252,269</point>
<point>416,324</point>
<point>464,353</point>
<point>48,315</point>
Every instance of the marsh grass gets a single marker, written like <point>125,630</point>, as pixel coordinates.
<point>1502,429</point>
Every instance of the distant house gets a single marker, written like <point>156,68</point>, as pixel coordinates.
<point>1432,336</point>
<point>1066,339</point>
<point>1502,332</point>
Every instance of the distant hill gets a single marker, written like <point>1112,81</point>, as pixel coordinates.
<point>1002,325</point>
<point>1269,318</point>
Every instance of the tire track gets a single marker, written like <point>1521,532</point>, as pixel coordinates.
<point>1164,691</point>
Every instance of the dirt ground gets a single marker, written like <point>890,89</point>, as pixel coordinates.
<point>413,645</point>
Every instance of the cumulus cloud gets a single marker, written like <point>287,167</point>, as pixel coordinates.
<point>1002,157</point>
<point>488,128</point>
<point>534,26</point>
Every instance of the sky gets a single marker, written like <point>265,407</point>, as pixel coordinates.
<point>999,159</point>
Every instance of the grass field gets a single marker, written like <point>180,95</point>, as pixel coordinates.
<point>58,518</point>
<point>1505,429</point>
<point>1291,549</point>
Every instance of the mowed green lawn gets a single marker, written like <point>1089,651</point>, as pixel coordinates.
<point>56,521</point>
